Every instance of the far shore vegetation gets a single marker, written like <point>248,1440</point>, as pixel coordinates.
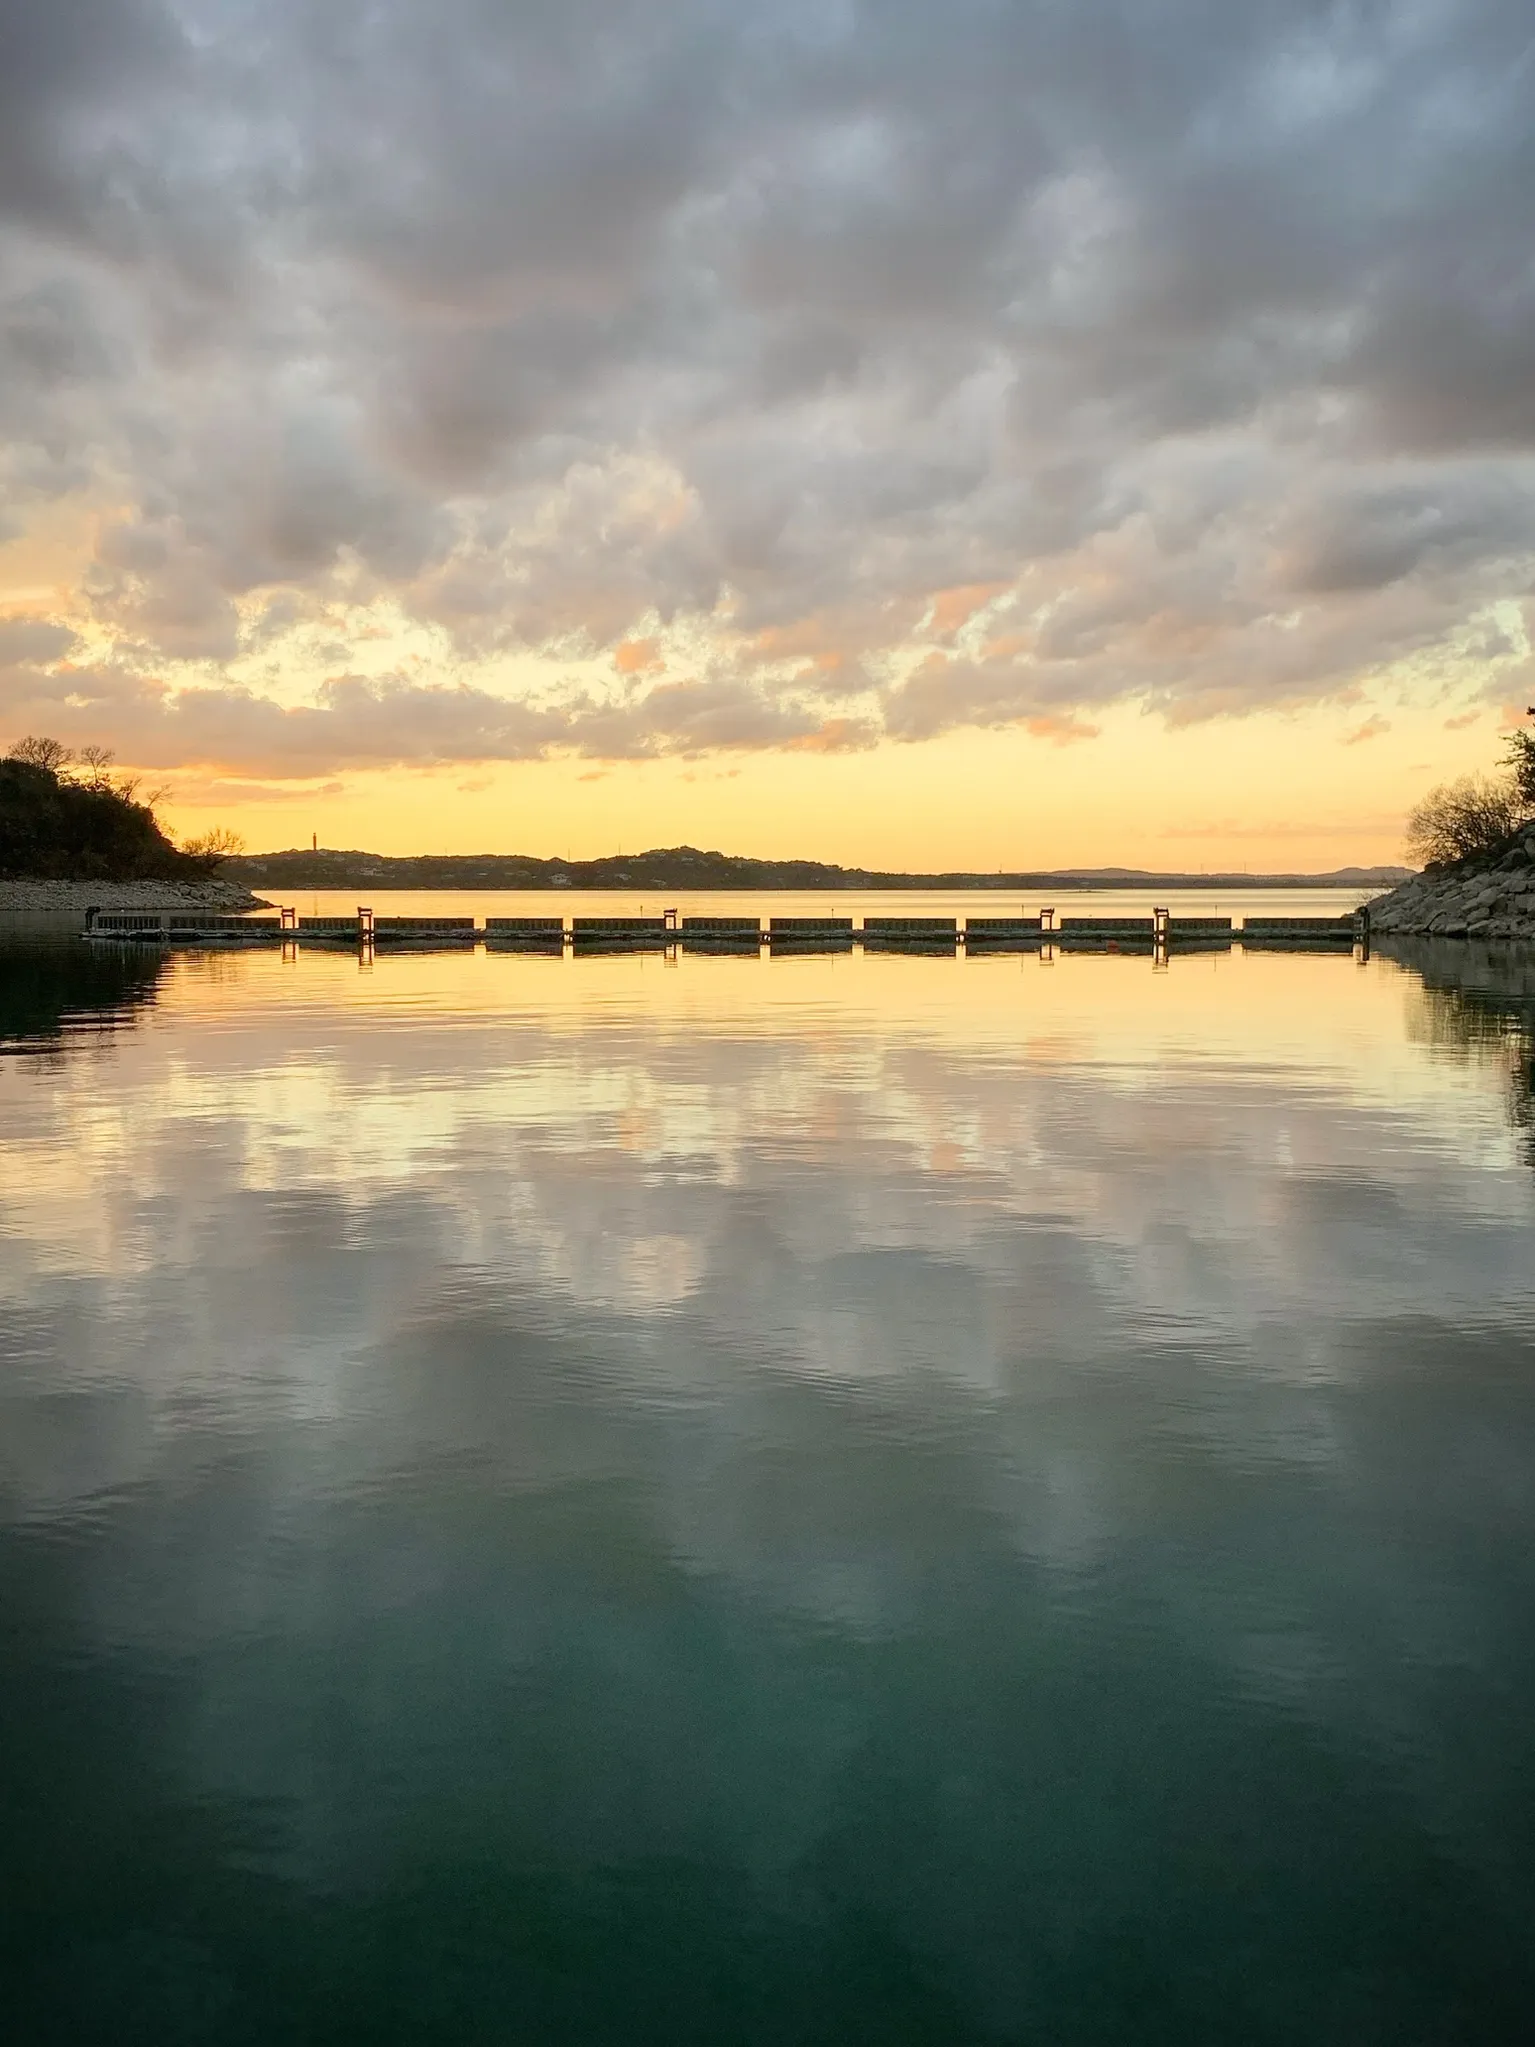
<point>697,871</point>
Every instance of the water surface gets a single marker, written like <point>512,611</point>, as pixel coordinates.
<point>849,1499</point>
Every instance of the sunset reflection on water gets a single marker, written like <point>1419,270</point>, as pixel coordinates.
<point>988,1457</point>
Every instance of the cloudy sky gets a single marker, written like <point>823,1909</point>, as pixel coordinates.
<point>997,431</point>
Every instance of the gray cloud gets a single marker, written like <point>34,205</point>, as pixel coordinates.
<point>547,321</point>
<point>359,721</point>
<point>1445,520</point>
<point>29,640</point>
<point>68,72</point>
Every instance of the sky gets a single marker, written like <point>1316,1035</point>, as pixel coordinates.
<point>926,435</point>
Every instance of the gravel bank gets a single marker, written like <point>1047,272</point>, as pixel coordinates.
<point>1491,898</point>
<point>74,898</point>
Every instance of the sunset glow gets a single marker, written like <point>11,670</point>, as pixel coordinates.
<point>923,438</point>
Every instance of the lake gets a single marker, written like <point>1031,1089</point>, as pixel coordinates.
<point>852,1499</point>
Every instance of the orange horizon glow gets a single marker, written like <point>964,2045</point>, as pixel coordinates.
<point>1298,794</point>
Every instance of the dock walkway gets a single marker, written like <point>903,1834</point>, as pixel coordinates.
<point>1159,933</point>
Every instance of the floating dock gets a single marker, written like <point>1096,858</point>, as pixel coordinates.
<point>186,927</point>
<point>1161,933</point>
<point>1198,934</point>
<point>1278,934</point>
<point>339,931</point>
<point>910,934</point>
<point>621,934</point>
<point>1004,934</point>
<point>425,933</point>
<point>721,934</point>
<point>525,934</point>
<point>788,935</point>
<point>1107,934</point>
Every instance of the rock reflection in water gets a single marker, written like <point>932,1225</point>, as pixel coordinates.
<point>1481,999</point>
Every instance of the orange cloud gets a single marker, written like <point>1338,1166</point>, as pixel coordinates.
<point>1372,728</point>
<point>954,607</point>
<point>1060,731</point>
<point>849,632</point>
<point>636,657</point>
<point>1466,718</point>
<point>837,735</point>
<point>1007,645</point>
<point>806,637</point>
<point>216,793</point>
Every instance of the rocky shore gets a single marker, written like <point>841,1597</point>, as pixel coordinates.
<point>1490,896</point>
<point>74,898</point>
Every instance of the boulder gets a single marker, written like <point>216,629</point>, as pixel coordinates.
<point>1489,896</point>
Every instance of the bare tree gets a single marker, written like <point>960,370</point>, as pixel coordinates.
<point>1477,814</point>
<point>215,845</point>
<point>92,764</point>
<point>38,752</point>
<point>1520,758</point>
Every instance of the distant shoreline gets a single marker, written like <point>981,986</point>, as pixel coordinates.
<point>685,867</point>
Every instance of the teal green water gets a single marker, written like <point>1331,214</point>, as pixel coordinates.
<point>844,1500</point>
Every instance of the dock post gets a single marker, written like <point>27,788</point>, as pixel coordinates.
<point>364,924</point>
<point>289,918</point>
<point>1047,920</point>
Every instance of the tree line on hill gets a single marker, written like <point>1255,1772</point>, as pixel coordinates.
<point>689,868</point>
<point>68,817</point>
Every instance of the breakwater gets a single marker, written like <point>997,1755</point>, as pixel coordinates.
<point>1161,932</point>
<point>1491,896</point>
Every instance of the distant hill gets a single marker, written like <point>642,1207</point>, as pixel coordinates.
<point>685,867</point>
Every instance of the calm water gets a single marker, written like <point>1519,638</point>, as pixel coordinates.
<point>840,1500</point>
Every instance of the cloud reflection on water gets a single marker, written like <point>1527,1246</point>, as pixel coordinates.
<point>992,1453</point>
